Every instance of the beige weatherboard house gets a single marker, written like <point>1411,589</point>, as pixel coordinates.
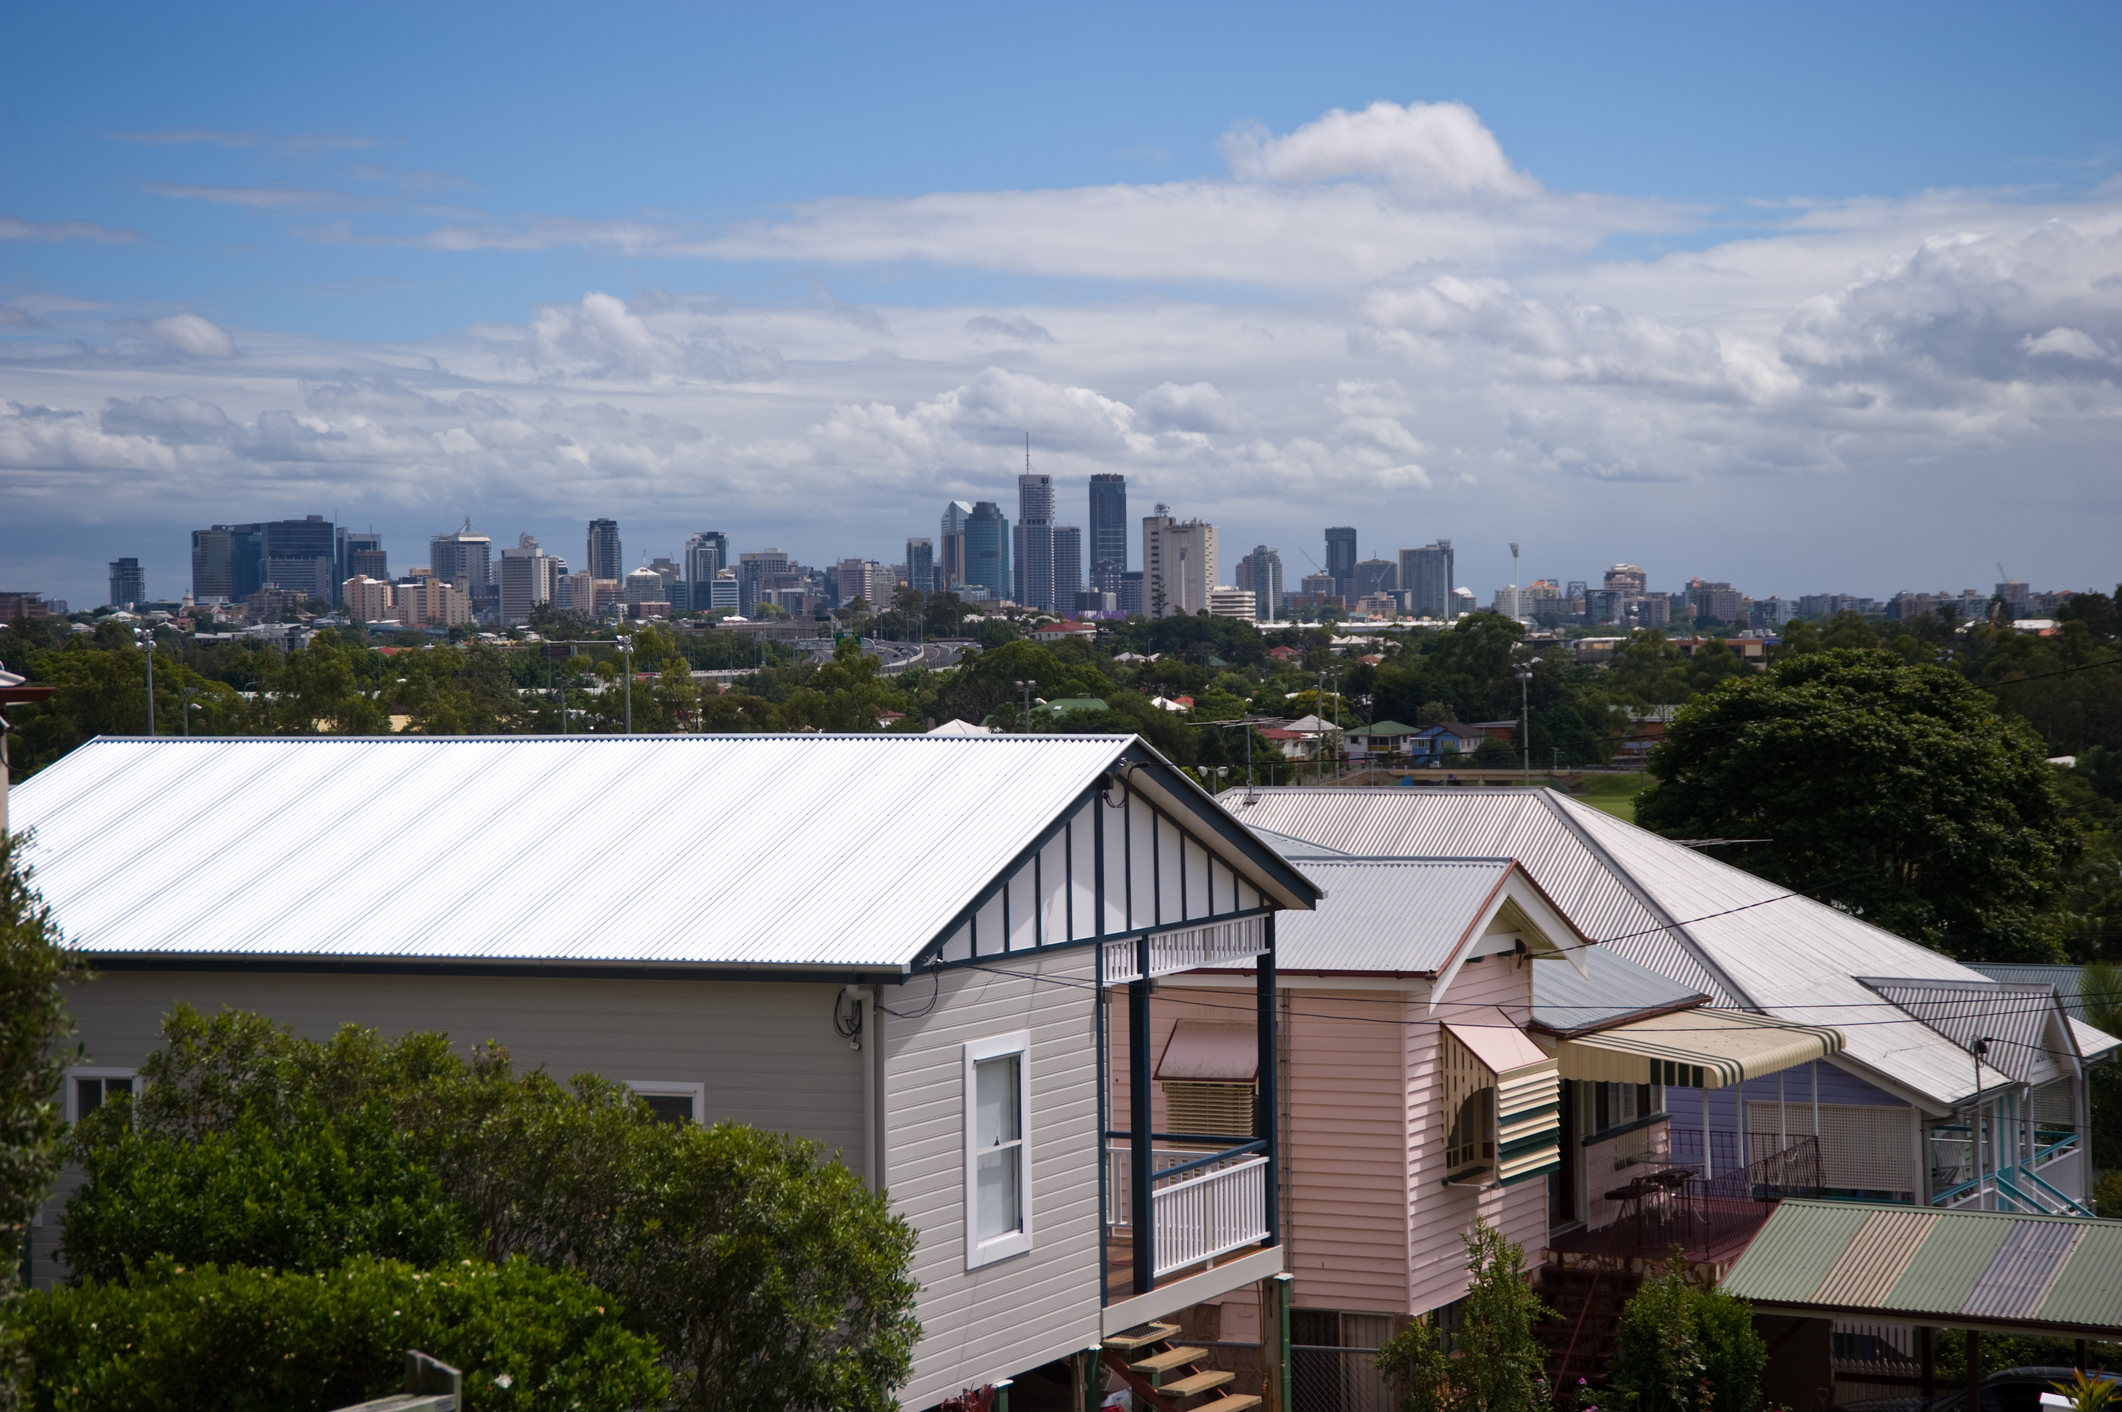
<point>1017,893</point>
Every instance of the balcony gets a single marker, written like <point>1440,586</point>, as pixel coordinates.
<point>1204,1205</point>
<point>1711,1218</point>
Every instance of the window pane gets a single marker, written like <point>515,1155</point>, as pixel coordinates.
<point>997,1182</point>
<point>996,1118</point>
<point>88,1096</point>
<point>670,1107</point>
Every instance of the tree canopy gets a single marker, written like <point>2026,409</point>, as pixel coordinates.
<point>1892,791</point>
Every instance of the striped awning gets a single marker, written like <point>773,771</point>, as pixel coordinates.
<point>1695,1049</point>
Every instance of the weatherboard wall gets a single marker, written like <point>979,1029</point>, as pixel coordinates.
<point>764,1052</point>
<point>1021,1312</point>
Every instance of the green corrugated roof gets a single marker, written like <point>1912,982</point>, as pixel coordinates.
<point>1954,1273</point>
<point>1788,1259</point>
<point>1947,1265</point>
<point>2088,1290</point>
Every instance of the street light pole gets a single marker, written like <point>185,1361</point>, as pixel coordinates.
<point>1525,717</point>
<point>1024,689</point>
<point>626,660</point>
<point>145,637</point>
<point>1975,1051</point>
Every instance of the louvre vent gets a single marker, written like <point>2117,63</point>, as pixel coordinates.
<point>1223,1109</point>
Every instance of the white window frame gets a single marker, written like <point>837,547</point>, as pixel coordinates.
<point>92,1071</point>
<point>674,1088</point>
<point>986,1252</point>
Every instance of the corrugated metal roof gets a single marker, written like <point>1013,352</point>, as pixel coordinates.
<point>540,849</point>
<point>1992,1268</point>
<point>2018,1276</point>
<point>1611,990</point>
<point>1877,1256</point>
<point>1397,916</point>
<point>2015,1017</point>
<point>1463,823</point>
<point>2069,981</point>
<point>1674,910</point>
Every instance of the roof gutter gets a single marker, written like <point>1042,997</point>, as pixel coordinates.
<point>550,968</point>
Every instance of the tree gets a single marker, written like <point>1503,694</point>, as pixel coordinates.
<point>243,1339</point>
<point>34,965</point>
<point>770,1277</point>
<point>1496,1361</point>
<point>1891,791</point>
<point>1683,1349</point>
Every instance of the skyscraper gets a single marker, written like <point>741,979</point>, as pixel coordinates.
<point>604,552</point>
<point>128,584</point>
<point>1426,574</point>
<point>463,557</point>
<point>1108,529</point>
<point>987,552</point>
<point>1373,576</point>
<point>920,565</point>
<point>226,561</point>
<point>1068,565</point>
<point>529,576</point>
<point>706,554</point>
<point>1178,564</point>
<point>1033,539</point>
<point>361,552</point>
<point>301,556</point>
<point>1341,558</point>
<point>1263,575</point>
<point>758,574</point>
<point>950,542</point>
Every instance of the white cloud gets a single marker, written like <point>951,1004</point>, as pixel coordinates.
<point>2062,342</point>
<point>1423,149</point>
<point>1194,406</point>
<point>1013,328</point>
<point>12,228</point>
<point>601,338</point>
<point>195,335</point>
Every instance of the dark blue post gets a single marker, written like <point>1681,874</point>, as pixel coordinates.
<point>1142,1210</point>
<point>1270,1108</point>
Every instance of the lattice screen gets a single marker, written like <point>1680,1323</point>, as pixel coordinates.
<point>1862,1148</point>
<point>2055,1105</point>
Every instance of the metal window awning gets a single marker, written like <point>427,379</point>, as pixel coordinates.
<point>1528,1128</point>
<point>1202,1051</point>
<point>1695,1049</point>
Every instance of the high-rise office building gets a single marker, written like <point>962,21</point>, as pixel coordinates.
<point>1068,565</point>
<point>1630,580</point>
<point>1373,576</point>
<point>1032,542</point>
<point>302,556</point>
<point>920,565</point>
<point>987,552</point>
<point>361,554</point>
<point>529,577</point>
<point>1108,527</point>
<point>950,542</point>
<point>1261,571</point>
<point>1341,558</point>
<point>226,562</point>
<point>128,584</point>
<point>604,551</point>
<point>1426,577</point>
<point>758,574</point>
<point>1178,564</point>
<point>706,554</point>
<point>463,557</point>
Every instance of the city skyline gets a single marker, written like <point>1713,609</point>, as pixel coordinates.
<point>1708,295</point>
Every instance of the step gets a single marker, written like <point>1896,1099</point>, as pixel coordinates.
<point>1235,1402</point>
<point>1143,1337</point>
<point>1169,1359</point>
<point>1199,1382</point>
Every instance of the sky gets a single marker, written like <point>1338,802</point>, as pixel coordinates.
<point>1806,298</point>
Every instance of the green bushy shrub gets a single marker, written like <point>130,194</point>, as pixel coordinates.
<point>1684,1349</point>
<point>305,1198</point>
<point>236,1339</point>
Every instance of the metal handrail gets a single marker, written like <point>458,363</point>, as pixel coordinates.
<point>1165,1173</point>
<point>2077,1208</point>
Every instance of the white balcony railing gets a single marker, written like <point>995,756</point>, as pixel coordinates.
<point>1188,948</point>
<point>1199,1215</point>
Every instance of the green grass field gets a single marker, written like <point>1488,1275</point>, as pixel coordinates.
<point>1616,794</point>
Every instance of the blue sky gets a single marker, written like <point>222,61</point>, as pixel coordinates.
<point>1829,298</point>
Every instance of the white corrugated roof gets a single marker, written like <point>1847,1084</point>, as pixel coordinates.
<point>1745,942</point>
<point>785,850</point>
<point>1397,917</point>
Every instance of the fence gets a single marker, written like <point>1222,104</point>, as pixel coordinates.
<point>1874,1361</point>
<point>1322,1377</point>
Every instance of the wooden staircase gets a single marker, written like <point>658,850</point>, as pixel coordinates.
<point>1582,1342</point>
<point>1167,1375</point>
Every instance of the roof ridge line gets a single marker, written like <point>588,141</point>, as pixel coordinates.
<point>1666,919</point>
